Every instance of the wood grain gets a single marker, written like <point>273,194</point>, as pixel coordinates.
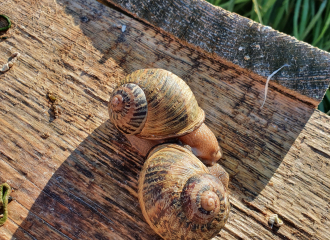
<point>75,176</point>
<point>240,40</point>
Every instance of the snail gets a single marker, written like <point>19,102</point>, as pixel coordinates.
<point>178,196</point>
<point>156,105</point>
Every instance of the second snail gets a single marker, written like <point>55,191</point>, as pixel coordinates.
<point>180,197</point>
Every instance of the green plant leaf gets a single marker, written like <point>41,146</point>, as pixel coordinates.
<point>325,28</point>
<point>316,32</point>
<point>279,16</point>
<point>231,5</point>
<point>317,17</point>
<point>256,9</point>
<point>267,9</point>
<point>295,19</point>
<point>286,4</point>
<point>269,4</point>
<point>303,19</point>
<point>217,2</point>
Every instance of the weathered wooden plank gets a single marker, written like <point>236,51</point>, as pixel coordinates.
<point>81,181</point>
<point>10,229</point>
<point>239,40</point>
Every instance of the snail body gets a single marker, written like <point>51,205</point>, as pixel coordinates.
<point>179,197</point>
<point>155,104</point>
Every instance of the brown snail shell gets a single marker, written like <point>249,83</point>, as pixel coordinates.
<point>154,104</point>
<point>179,197</point>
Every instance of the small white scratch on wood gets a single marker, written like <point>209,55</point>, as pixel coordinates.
<point>269,77</point>
<point>123,28</point>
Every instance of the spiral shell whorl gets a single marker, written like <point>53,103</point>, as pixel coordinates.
<point>172,186</point>
<point>128,108</point>
<point>203,199</point>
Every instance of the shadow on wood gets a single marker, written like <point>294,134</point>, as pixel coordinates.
<point>92,195</point>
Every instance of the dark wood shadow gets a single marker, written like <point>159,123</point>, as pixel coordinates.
<point>93,194</point>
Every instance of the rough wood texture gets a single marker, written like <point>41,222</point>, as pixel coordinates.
<point>239,40</point>
<point>75,176</point>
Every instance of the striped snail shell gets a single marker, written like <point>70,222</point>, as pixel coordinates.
<point>179,198</point>
<point>154,104</point>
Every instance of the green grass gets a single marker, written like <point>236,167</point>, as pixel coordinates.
<point>307,20</point>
